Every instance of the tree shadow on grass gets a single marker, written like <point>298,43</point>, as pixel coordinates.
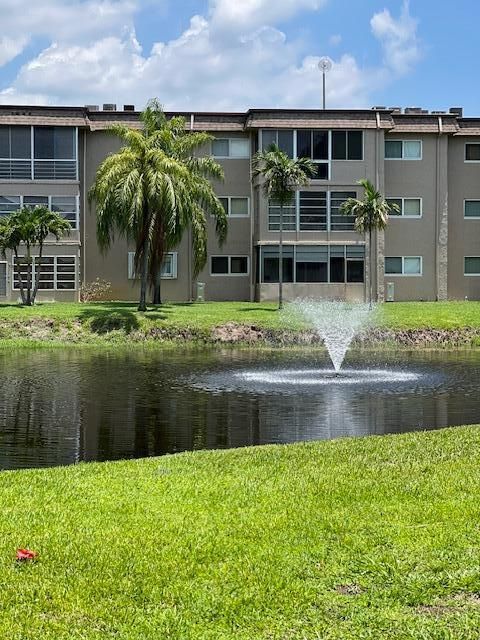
<point>104,317</point>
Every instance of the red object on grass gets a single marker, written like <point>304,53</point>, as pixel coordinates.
<point>26,554</point>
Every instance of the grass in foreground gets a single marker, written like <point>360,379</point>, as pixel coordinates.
<point>366,538</point>
<point>99,323</point>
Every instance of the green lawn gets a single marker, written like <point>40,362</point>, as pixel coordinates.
<point>94,323</point>
<point>363,538</point>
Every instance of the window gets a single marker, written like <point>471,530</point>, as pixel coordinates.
<point>472,266</point>
<point>334,264</point>
<point>313,144</point>
<point>3,279</point>
<point>313,210</point>
<point>472,152</point>
<point>338,221</point>
<point>231,148</point>
<point>9,204</point>
<point>169,268</point>
<point>403,149</point>
<point>403,266</point>
<point>283,138</point>
<point>54,143</point>
<point>229,265</point>
<point>15,143</point>
<point>289,218</point>
<point>347,145</point>
<point>472,208</point>
<point>408,207</point>
<point>57,273</point>
<point>236,207</point>
<point>67,206</point>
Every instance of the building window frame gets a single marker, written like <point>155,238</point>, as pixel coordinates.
<point>229,156</point>
<point>173,275</point>
<point>347,159</point>
<point>403,158</point>
<point>229,274</point>
<point>469,275</point>
<point>465,208</point>
<point>50,199</point>
<point>403,274</point>
<point>402,210</point>
<point>229,206</point>
<point>465,159</point>
<point>4,262</point>
<point>55,273</point>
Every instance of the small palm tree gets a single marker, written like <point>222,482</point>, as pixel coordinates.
<point>371,214</point>
<point>282,177</point>
<point>29,228</point>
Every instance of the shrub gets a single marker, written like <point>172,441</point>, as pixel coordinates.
<point>96,291</point>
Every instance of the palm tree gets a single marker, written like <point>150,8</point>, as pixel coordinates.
<point>371,214</point>
<point>29,228</point>
<point>150,196</point>
<point>195,197</point>
<point>282,177</point>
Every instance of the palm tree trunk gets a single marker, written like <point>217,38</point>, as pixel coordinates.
<point>157,288</point>
<point>371,266</point>
<point>20,279</point>
<point>37,275</point>
<point>29,277</point>
<point>280,261</point>
<point>142,305</point>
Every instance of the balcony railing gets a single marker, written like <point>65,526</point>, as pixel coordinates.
<point>38,169</point>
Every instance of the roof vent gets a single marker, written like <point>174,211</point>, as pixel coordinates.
<point>396,109</point>
<point>92,107</point>
<point>379,108</point>
<point>413,110</point>
<point>438,113</point>
<point>129,107</point>
<point>457,111</point>
<point>109,106</point>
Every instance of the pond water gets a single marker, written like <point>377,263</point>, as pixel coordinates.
<point>63,406</point>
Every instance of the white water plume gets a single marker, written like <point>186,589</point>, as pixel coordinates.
<point>336,322</point>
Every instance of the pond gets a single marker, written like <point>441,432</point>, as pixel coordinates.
<point>63,406</point>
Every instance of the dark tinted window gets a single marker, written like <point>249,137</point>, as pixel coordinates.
<point>54,143</point>
<point>355,145</point>
<point>355,271</point>
<point>304,144</point>
<point>337,269</point>
<point>472,151</point>
<point>320,145</point>
<point>339,145</point>
<point>285,142</point>
<point>312,272</point>
<point>239,264</point>
<point>4,142</point>
<point>220,264</point>
<point>321,171</point>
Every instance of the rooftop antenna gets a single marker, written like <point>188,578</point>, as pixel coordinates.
<point>325,65</point>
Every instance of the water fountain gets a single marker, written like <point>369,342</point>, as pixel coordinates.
<point>336,322</point>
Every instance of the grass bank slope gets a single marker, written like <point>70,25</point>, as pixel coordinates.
<point>119,322</point>
<point>364,538</point>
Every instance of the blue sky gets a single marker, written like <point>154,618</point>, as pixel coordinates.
<point>235,54</point>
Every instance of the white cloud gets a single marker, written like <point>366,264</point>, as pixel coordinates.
<point>399,39</point>
<point>10,48</point>
<point>335,40</point>
<point>211,65</point>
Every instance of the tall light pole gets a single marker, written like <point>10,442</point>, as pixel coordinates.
<point>325,65</point>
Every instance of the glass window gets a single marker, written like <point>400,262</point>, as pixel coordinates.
<point>393,149</point>
<point>355,271</point>
<point>320,145</point>
<point>270,263</point>
<point>412,150</point>
<point>9,204</point>
<point>472,208</point>
<point>394,266</point>
<point>21,143</point>
<point>399,203</point>
<point>55,272</point>
<point>472,152</point>
<point>269,137</point>
<point>239,207</point>
<point>225,205</point>
<point>239,148</point>
<point>472,266</point>
<point>339,145</point>
<point>285,142</point>
<point>35,201</point>
<point>304,144</point>
<point>313,211</point>
<point>239,265</point>
<point>4,142</point>
<point>321,171</point>
<point>219,265</point>
<point>289,218</point>
<point>412,207</point>
<point>412,266</point>
<point>355,145</point>
<point>338,221</point>
<point>54,143</point>
<point>66,206</point>
<point>220,148</point>
<point>312,264</point>
<point>169,266</point>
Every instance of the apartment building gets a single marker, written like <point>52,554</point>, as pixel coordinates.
<point>428,163</point>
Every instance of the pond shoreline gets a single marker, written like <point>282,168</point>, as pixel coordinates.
<point>47,332</point>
